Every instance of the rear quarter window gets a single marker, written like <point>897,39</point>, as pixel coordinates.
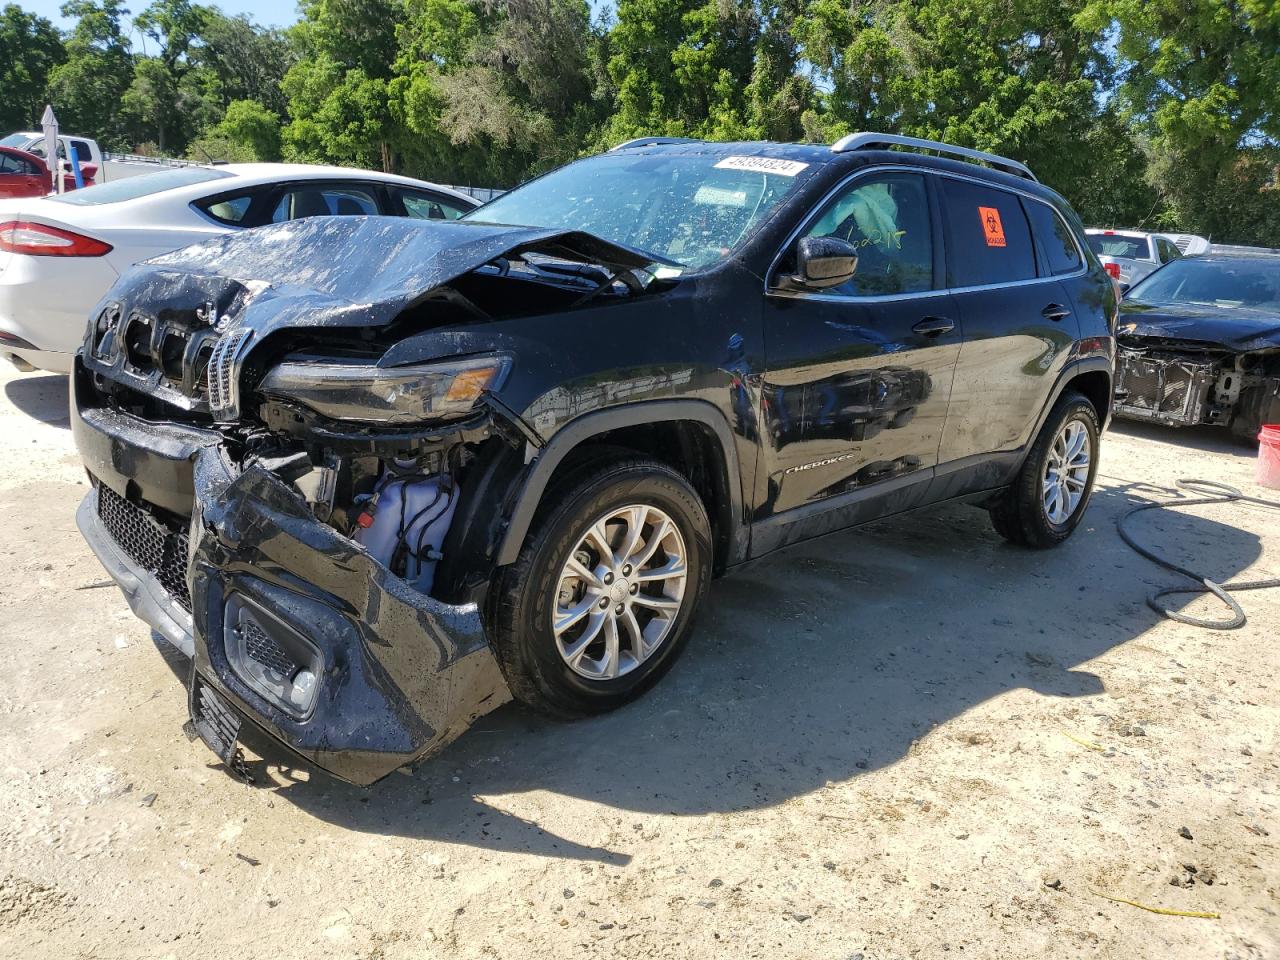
<point>988,239</point>
<point>1053,237</point>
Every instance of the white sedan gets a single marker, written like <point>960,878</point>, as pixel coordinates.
<point>59,255</point>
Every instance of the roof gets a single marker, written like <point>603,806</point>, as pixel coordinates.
<point>821,154</point>
<point>1236,256</point>
<point>315,171</point>
<point>816,153</point>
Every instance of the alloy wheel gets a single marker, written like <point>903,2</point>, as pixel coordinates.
<point>1066,472</point>
<point>620,591</point>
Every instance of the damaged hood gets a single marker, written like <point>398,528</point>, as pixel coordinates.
<point>339,271</point>
<point>1240,329</point>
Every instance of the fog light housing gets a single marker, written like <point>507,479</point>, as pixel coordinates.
<point>276,661</point>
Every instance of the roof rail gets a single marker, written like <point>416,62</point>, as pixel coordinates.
<point>653,142</point>
<point>867,140</point>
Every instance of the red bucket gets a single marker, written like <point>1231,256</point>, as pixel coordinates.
<point>1269,457</point>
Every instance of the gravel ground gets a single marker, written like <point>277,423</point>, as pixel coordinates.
<point>908,741</point>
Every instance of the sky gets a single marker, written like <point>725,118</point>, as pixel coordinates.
<point>268,13</point>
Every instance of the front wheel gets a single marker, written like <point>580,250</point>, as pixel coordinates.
<point>602,598</point>
<point>1048,499</point>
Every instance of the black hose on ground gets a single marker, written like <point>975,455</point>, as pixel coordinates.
<point>1214,492</point>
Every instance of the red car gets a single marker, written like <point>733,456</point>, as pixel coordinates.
<point>24,174</point>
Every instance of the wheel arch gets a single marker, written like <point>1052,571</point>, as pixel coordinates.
<point>692,436</point>
<point>1092,377</point>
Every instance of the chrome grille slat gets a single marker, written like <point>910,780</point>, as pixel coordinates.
<point>221,373</point>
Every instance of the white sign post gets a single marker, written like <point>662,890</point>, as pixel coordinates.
<point>49,123</point>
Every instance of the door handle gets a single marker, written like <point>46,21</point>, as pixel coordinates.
<point>1055,311</point>
<point>934,326</point>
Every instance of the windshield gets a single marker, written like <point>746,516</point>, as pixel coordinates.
<point>16,140</point>
<point>143,185</point>
<point>689,209</point>
<point>1109,245</point>
<point>1214,283</point>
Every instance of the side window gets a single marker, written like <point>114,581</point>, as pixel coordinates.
<point>317,200</point>
<point>887,219</point>
<point>1167,250</point>
<point>84,153</point>
<point>11,165</point>
<point>421,205</point>
<point>988,240</point>
<point>233,210</point>
<point>1054,237</point>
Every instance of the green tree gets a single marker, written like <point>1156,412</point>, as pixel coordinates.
<point>86,90</point>
<point>1201,80</point>
<point>251,125</point>
<point>682,68</point>
<point>249,61</point>
<point>30,47</point>
<point>337,90</point>
<point>172,96</point>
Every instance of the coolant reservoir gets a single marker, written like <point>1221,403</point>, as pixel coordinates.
<point>407,523</point>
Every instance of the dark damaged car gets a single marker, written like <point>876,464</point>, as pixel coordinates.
<point>1199,342</point>
<point>374,476</point>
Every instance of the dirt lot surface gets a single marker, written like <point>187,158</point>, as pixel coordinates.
<point>908,741</point>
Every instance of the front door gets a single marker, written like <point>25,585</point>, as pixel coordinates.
<point>20,178</point>
<point>858,377</point>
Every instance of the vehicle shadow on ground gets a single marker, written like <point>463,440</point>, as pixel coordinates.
<point>1208,439</point>
<point>822,663</point>
<point>42,397</point>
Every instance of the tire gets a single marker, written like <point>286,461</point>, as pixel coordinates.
<point>535,659</point>
<point>1021,515</point>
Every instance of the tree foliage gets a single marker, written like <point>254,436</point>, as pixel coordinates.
<point>1142,112</point>
<point>30,48</point>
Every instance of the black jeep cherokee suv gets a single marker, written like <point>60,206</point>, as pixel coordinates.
<point>371,474</point>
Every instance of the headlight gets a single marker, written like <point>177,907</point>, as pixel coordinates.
<point>368,394</point>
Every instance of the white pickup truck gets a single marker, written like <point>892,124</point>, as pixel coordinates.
<point>110,166</point>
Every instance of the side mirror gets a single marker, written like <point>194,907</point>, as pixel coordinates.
<point>822,262</point>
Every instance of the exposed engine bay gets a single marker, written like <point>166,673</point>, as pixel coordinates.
<point>335,383</point>
<point>302,472</point>
<point>1190,383</point>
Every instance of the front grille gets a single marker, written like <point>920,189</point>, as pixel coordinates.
<point>161,552</point>
<point>260,646</point>
<point>181,360</point>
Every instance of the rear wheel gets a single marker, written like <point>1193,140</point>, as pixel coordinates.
<point>1049,497</point>
<point>602,598</point>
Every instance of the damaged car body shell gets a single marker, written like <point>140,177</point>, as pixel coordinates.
<point>398,673</point>
<point>1183,364</point>
<point>242,521</point>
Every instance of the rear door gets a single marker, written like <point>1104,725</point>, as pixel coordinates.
<point>324,199</point>
<point>1018,320</point>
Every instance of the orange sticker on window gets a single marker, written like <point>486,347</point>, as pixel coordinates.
<point>992,228</point>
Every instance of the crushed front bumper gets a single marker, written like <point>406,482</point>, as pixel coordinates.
<point>398,674</point>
